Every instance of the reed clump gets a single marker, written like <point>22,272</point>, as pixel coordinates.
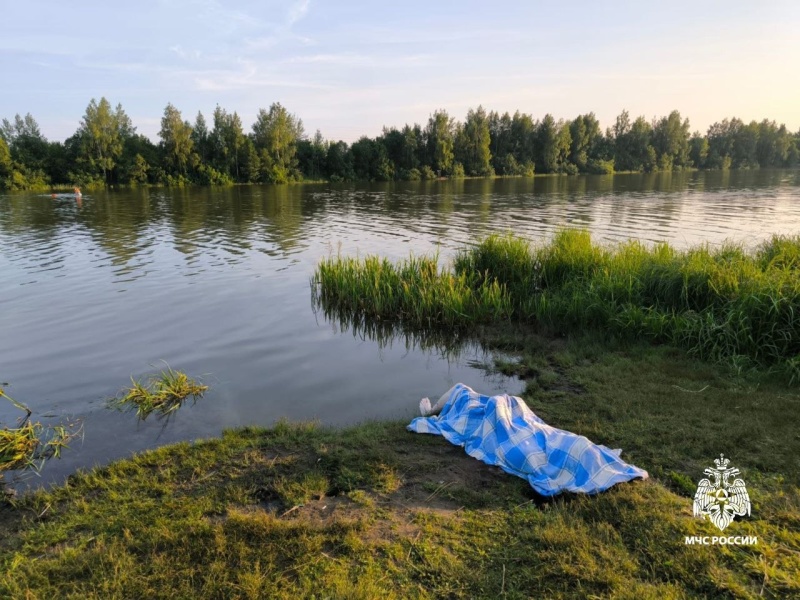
<point>719,303</point>
<point>163,393</point>
<point>415,293</point>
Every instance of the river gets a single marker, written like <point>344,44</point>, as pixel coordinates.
<point>215,282</point>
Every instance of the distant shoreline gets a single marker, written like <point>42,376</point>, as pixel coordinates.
<point>67,187</point>
<point>106,150</point>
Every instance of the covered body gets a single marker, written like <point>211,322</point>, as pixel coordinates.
<point>502,431</point>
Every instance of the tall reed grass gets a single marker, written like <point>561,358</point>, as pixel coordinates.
<point>415,293</point>
<point>719,303</point>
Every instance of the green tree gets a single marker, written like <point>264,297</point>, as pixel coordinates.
<point>500,141</point>
<point>793,153</point>
<point>251,162</point>
<point>619,133</point>
<point>698,150</point>
<point>604,147</point>
<point>401,149</point>
<point>58,163</point>
<point>671,141</point>
<point>523,138</point>
<point>405,149</point>
<point>319,150</point>
<point>473,144</point>
<point>642,149</point>
<point>201,138</point>
<point>745,145</point>
<point>721,137</point>
<point>311,156</point>
<point>236,142</point>
<point>102,133</point>
<point>774,143</point>
<point>29,148</point>
<point>370,161</point>
<point>633,150</point>
<point>176,141</point>
<point>439,135</point>
<point>227,143</point>
<point>5,164</point>
<point>339,162</point>
<point>275,134</point>
<point>138,171</point>
<point>133,147</point>
<point>584,138</point>
<point>553,142</point>
<point>412,143</point>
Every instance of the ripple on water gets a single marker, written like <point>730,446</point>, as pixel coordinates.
<point>216,282</point>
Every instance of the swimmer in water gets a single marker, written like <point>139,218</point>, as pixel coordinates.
<point>77,191</point>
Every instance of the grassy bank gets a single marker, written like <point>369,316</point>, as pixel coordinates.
<point>720,304</point>
<point>377,512</point>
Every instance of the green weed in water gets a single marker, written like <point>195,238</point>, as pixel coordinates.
<point>163,394</point>
<point>25,448</point>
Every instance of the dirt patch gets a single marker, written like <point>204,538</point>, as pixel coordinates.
<point>325,509</point>
<point>9,521</point>
<point>448,467</point>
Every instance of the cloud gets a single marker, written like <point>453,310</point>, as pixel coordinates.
<point>353,59</point>
<point>297,11</point>
<point>179,51</point>
<point>249,76</point>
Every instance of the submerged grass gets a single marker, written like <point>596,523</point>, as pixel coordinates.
<point>298,511</point>
<point>18,446</point>
<point>718,303</point>
<point>163,394</point>
<point>26,447</point>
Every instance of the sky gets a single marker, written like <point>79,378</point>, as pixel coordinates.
<point>348,68</point>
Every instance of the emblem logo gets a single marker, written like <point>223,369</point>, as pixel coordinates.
<point>721,500</point>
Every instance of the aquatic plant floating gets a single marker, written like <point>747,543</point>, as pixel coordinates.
<point>163,393</point>
<point>25,448</point>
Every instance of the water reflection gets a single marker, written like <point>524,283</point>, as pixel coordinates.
<point>449,345</point>
<point>224,224</point>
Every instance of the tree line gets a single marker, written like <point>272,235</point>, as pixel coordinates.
<point>106,150</point>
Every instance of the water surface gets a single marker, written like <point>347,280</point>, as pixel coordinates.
<point>216,282</point>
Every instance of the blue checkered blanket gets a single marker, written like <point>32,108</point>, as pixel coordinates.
<point>502,431</point>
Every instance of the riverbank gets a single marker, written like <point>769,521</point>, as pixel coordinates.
<point>374,511</point>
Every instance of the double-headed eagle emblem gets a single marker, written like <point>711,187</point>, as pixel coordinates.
<point>721,500</point>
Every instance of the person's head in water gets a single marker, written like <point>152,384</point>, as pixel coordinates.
<point>77,191</point>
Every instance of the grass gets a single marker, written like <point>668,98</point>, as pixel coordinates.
<point>416,292</point>
<point>722,304</point>
<point>26,447</point>
<point>163,394</point>
<point>300,511</point>
<point>18,446</point>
